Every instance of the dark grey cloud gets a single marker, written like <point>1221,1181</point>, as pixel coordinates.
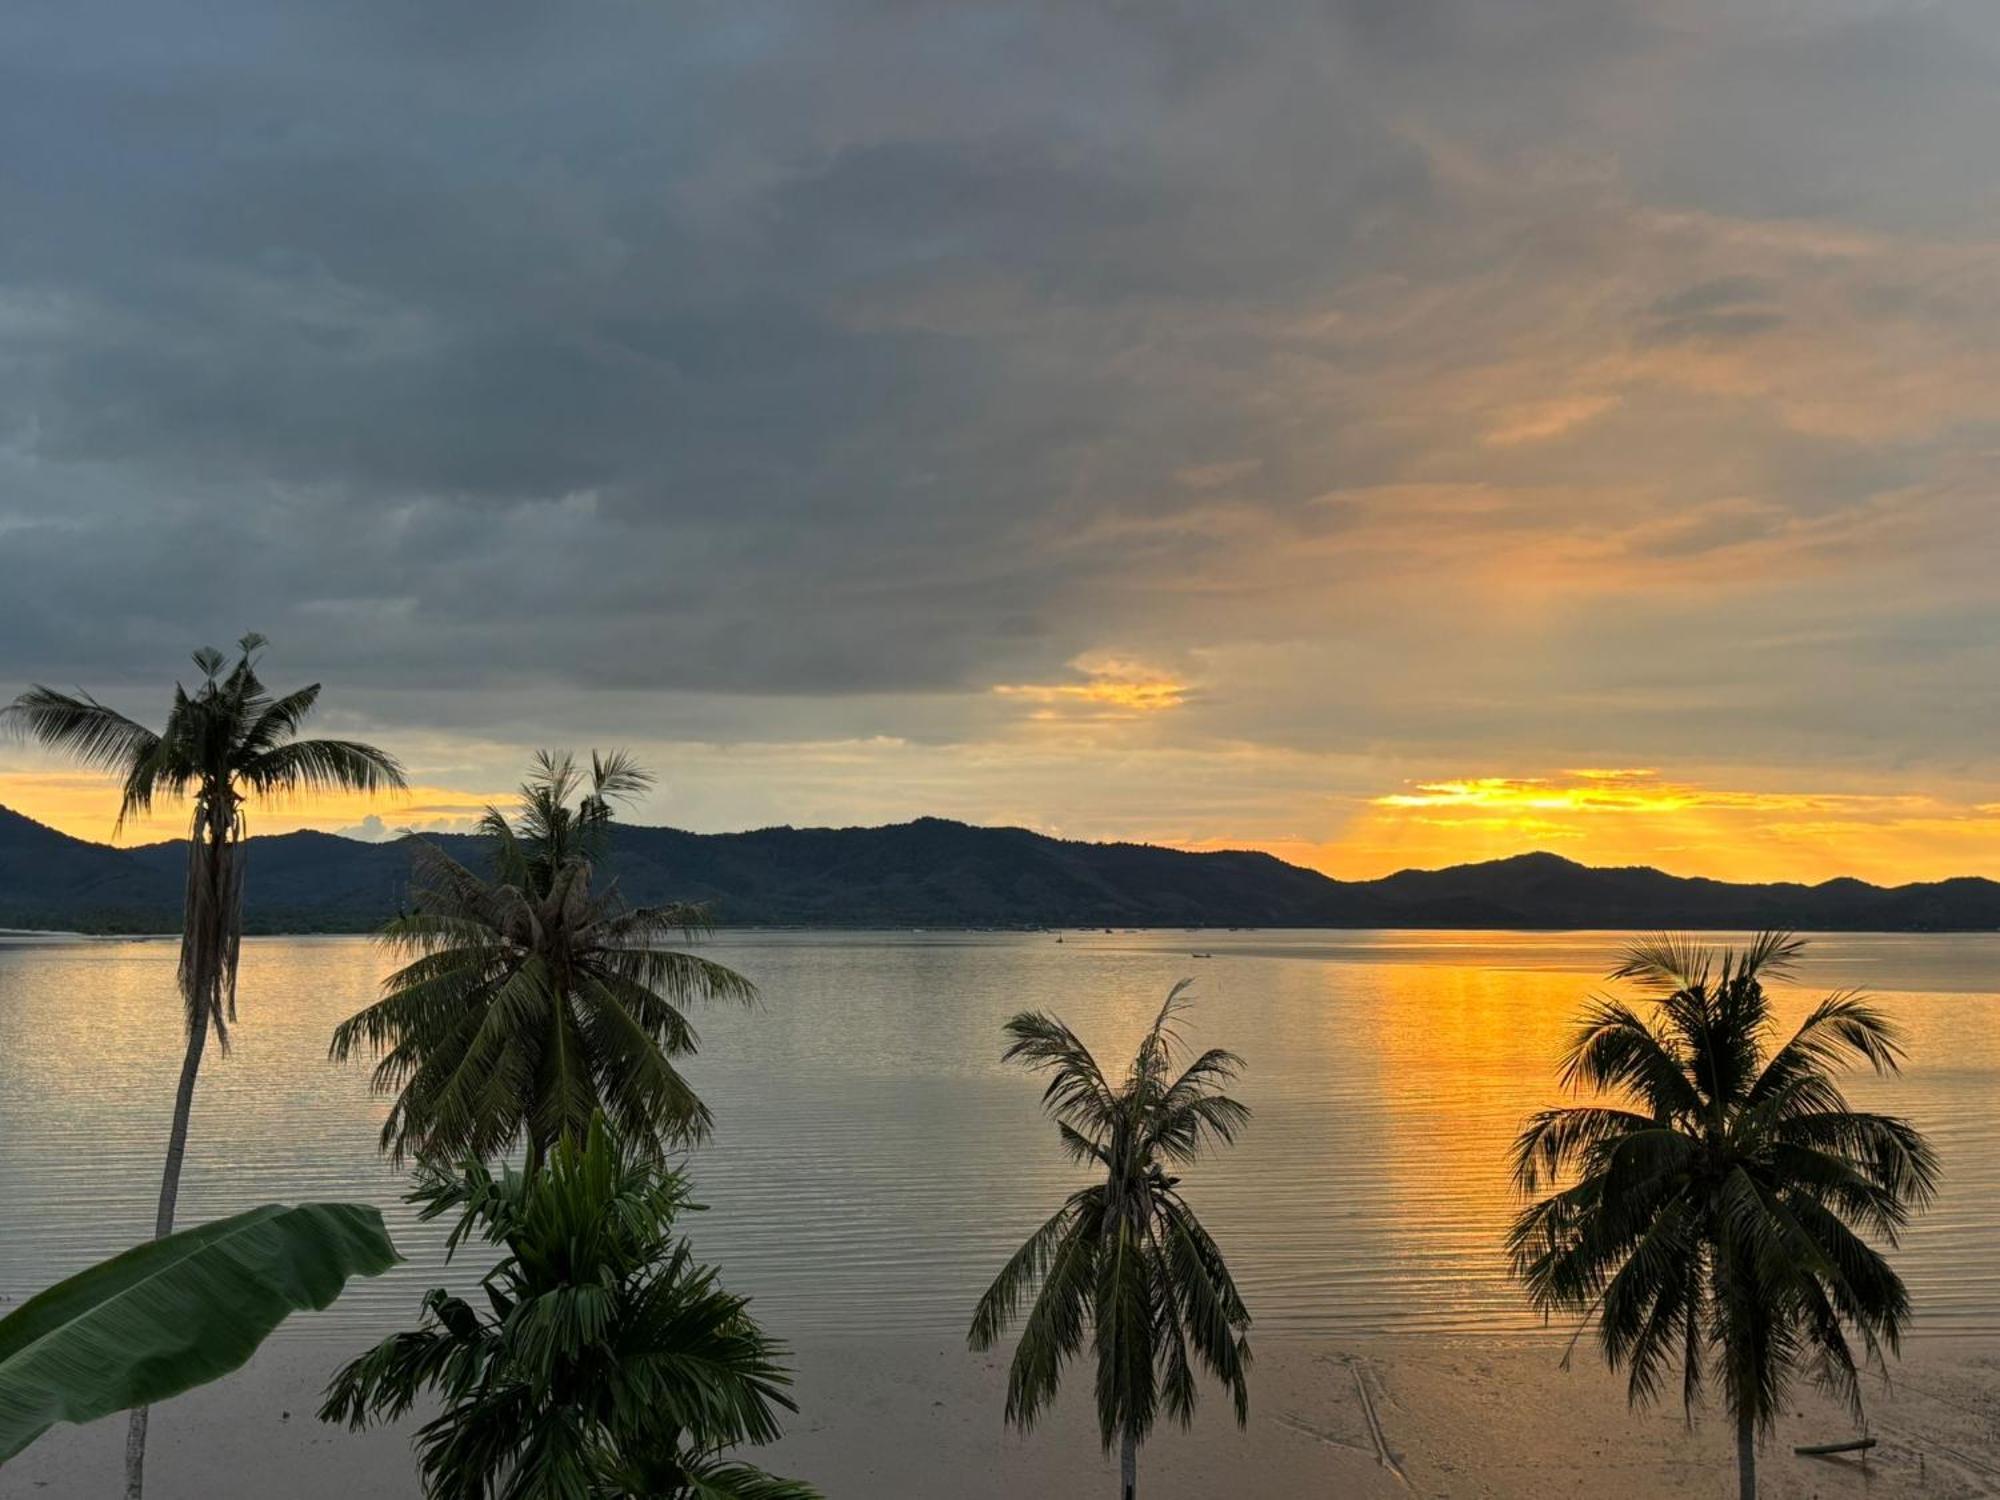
<point>848,351</point>
<point>1726,307</point>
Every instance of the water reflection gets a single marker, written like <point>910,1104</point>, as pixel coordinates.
<point>874,1160</point>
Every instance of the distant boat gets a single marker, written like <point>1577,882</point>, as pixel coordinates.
<point>1201,955</point>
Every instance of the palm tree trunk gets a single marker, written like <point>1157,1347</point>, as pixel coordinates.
<point>205,972</point>
<point>163,1225</point>
<point>135,1453</point>
<point>1746,1457</point>
<point>177,1135</point>
<point>1128,1467</point>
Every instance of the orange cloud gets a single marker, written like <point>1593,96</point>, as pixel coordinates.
<point>1109,688</point>
<point>1542,420</point>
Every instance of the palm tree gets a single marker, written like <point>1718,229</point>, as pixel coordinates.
<point>531,1001</point>
<point>228,744</point>
<point>606,1363</point>
<point>1124,1261</point>
<point>1716,1219</point>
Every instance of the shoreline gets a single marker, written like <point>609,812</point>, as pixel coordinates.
<point>1084,929</point>
<point>1489,1416</point>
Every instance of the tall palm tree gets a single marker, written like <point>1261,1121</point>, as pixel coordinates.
<point>1716,1208</point>
<point>605,1363</point>
<point>532,1000</point>
<point>1124,1261</point>
<point>227,745</point>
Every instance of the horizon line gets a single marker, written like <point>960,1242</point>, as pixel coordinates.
<point>1247,849</point>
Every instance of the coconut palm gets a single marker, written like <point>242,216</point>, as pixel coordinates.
<point>530,1001</point>
<point>606,1362</point>
<point>228,744</point>
<point>1124,1261</point>
<point>1718,1208</point>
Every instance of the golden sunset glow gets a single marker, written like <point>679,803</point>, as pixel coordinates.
<point>1639,817</point>
<point>1109,687</point>
<point>1635,791</point>
<point>1090,744</point>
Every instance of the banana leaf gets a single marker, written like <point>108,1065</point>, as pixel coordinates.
<point>176,1313</point>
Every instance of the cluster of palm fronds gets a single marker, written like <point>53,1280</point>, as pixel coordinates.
<point>1124,1264</point>
<point>536,1009</point>
<point>1716,1209</point>
<point>606,1362</point>
<point>228,743</point>
<point>533,998</point>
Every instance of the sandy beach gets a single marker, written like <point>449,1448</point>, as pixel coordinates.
<point>1350,1419</point>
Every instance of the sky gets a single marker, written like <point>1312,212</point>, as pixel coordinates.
<point>1384,432</point>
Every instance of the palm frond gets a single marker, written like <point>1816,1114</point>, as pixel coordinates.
<point>76,724</point>
<point>1557,1141</point>
<point>1842,1029</point>
<point>1124,1317</point>
<point>1060,1318</point>
<point>321,766</point>
<point>1665,962</point>
<point>1025,1268</point>
<point>1771,955</point>
<point>1076,1092</point>
<point>708,1480</point>
<point>1213,1315</point>
<point>1613,1050</point>
<point>279,720</point>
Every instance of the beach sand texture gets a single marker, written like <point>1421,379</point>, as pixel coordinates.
<point>1473,1417</point>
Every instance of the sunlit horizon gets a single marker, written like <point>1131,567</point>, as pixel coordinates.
<point>1596,817</point>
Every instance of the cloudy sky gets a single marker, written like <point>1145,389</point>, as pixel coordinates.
<point>1386,432</point>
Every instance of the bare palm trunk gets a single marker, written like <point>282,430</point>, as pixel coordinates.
<point>208,979</point>
<point>1746,1458</point>
<point>1128,1468</point>
<point>163,1225</point>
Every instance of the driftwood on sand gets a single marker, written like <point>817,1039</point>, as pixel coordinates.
<point>1820,1450</point>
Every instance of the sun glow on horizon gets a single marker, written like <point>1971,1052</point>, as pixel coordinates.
<point>1617,817</point>
<point>1243,798</point>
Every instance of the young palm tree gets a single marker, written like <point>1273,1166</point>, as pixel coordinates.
<point>531,1001</point>
<point>1124,1261</point>
<point>1716,1221</point>
<point>228,744</point>
<point>607,1364</point>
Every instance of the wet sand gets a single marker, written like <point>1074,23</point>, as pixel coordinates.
<point>1347,1419</point>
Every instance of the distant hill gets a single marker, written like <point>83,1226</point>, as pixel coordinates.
<point>934,873</point>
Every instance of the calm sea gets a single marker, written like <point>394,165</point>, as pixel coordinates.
<point>874,1162</point>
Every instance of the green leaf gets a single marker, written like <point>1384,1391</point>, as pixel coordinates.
<point>176,1313</point>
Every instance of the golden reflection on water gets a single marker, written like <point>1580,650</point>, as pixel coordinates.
<point>1465,1054</point>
